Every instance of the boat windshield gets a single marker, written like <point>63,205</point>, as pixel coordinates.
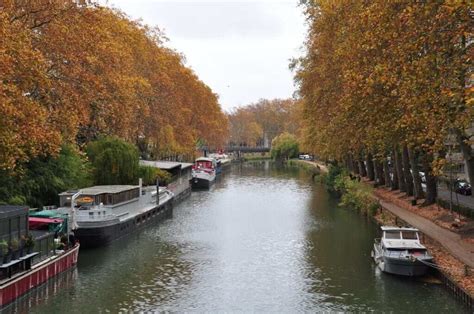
<point>409,235</point>
<point>392,234</point>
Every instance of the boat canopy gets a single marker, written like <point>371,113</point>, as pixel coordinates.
<point>50,224</point>
<point>48,213</point>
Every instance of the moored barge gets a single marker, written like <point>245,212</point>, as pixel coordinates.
<point>107,212</point>
<point>32,262</point>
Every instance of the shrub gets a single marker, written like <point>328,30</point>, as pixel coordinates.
<point>114,161</point>
<point>334,179</point>
<point>3,247</point>
<point>14,244</point>
<point>151,174</point>
<point>42,178</point>
<point>284,146</point>
<point>356,195</point>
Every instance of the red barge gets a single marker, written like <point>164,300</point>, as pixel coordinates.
<point>25,265</point>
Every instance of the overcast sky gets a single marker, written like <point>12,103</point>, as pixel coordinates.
<point>240,48</point>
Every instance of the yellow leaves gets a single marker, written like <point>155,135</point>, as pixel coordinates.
<point>378,72</point>
<point>72,72</point>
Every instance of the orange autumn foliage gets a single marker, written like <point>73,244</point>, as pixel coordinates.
<point>72,71</point>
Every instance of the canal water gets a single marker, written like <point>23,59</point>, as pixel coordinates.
<point>263,239</point>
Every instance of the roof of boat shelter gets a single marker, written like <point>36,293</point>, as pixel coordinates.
<point>165,165</point>
<point>101,189</point>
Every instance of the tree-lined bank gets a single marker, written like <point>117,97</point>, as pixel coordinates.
<point>375,94</point>
<point>72,71</point>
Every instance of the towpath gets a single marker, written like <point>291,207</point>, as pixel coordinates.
<point>451,241</point>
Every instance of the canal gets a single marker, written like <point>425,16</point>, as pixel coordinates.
<point>263,239</point>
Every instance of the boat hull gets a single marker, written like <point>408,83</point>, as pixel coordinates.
<point>201,183</point>
<point>38,275</point>
<point>93,236</point>
<point>202,180</point>
<point>404,267</point>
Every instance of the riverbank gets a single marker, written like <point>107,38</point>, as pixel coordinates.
<point>310,165</point>
<point>453,252</point>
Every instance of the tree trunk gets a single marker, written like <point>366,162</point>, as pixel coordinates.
<point>354,166</point>
<point>431,188</point>
<point>370,167</point>
<point>417,188</point>
<point>399,168</point>
<point>379,177</point>
<point>467,153</point>
<point>406,171</point>
<point>376,172</point>
<point>362,170</point>
<point>346,162</point>
<point>394,172</point>
<point>386,171</point>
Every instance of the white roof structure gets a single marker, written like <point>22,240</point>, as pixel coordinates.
<point>205,159</point>
<point>101,189</point>
<point>165,165</point>
<point>402,244</point>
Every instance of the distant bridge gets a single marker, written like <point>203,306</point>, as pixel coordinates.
<point>247,149</point>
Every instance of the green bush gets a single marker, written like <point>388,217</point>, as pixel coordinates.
<point>354,194</point>
<point>284,146</point>
<point>358,195</point>
<point>334,179</point>
<point>43,178</point>
<point>114,161</point>
<point>151,174</point>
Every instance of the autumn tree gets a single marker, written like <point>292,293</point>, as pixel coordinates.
<point>284,146</point>
<point>385,82</point>
<point>74,71</point>
<point>259,123</point>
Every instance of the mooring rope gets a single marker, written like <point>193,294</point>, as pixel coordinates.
<point>436,266</point>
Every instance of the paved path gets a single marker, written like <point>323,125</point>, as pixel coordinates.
<point>451,241</point>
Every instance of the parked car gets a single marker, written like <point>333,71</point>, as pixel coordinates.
<point>462,187</point>
<point>305,157</point>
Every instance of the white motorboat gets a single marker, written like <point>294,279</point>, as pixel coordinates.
<point>400,252</point>
<point>204,173</point>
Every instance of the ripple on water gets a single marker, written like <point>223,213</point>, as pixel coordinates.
<point>262,239</point>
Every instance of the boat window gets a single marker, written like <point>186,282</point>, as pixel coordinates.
<point>392,234</point>
<point>409,235</point>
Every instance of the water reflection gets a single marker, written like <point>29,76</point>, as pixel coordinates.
<point>263,239</point>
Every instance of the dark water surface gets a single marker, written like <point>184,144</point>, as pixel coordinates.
<point>263,239</point>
